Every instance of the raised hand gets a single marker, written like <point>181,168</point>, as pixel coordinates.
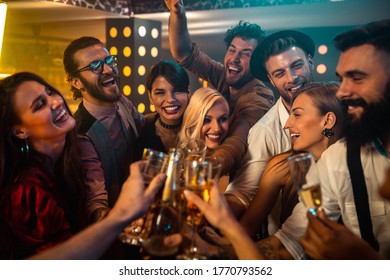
<point>175,6</point>
<point>135,194</point>
<point>218,213</point>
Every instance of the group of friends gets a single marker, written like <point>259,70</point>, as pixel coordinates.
<point>67,190</point>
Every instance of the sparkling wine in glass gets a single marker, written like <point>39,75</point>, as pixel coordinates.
<point>198,176</point>
<point>156,162</point>
<point>195,147</point>
<point>304,174</point>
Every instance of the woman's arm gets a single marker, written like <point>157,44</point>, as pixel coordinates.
<point>218,213</point>
<point>93,241</point>
<point>272,181</point>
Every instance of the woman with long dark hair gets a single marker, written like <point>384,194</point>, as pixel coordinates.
<point>42,191</point>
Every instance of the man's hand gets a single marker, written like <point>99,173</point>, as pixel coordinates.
<point>175,6</point>
<point>325,239</point>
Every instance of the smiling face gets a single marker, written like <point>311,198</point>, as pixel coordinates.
<point>237,61</point>
<point>44,119</point>
<point>365,92</point>
<point>100,89</point>
<point>215,124</point>
<point>306,125</point>
<point>169,103</point>
<point>289,71</point>
<point>363,71</point>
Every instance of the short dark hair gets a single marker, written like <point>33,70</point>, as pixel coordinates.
<point>375,33</point>
<point>175,74</point>
<point>245,30</point>
<point>278,43</point>
<point>70,65</point>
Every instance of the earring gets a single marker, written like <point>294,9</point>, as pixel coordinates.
<point>25,149</point>
<point>327,132</point>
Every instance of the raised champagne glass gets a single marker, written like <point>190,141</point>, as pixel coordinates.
<point>155,163</point>
<point>304,175</point>
<point>198,175</point>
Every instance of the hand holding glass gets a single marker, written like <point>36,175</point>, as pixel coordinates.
<point>199,174</point>
<point>155,163</point>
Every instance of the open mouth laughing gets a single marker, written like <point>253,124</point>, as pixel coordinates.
<point>294,137</point>
<point>234,69</point>
<point>295,88</point>
<point>213,137</point>
<point>61,116</point>
<point>108,82</point>
<point>171,109</point>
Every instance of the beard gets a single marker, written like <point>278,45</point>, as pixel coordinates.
<point>97,91</point>
<point>374,122</point>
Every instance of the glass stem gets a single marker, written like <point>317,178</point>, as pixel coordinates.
<point>193,248</point>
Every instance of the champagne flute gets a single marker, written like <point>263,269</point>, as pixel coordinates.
<point>156,163</point>
<point>195,147</point>
<point>214,168</point>
<point>304,175</point>
<point>195,180</point>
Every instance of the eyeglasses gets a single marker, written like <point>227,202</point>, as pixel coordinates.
<point>97,66</point>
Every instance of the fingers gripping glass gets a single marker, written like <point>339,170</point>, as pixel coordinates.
<point>97,66</point>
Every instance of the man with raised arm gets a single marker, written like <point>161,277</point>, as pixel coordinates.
<point>249,99</point>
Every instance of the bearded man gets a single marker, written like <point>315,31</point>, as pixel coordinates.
<point>105,117</point>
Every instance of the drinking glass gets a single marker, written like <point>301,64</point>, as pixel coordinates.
<point>156,163</point>
<point>197,177</point>
<point>195,147</point>
<point>213,165</point>
<point>304,175</point>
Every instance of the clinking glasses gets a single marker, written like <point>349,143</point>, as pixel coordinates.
<point>97,66</point>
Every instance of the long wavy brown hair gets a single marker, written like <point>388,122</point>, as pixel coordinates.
<point>14,163</point>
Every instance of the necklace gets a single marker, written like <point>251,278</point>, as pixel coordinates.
<point>168,126</point>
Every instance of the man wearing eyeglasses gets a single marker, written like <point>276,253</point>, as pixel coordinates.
<point>106,119</point>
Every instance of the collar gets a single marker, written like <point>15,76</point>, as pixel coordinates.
<point>380,147</point>
<point>283,113</point>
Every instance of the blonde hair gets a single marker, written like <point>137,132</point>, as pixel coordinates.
<point>200,103</point>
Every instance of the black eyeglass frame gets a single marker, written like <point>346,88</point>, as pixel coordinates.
<point>99,69</point>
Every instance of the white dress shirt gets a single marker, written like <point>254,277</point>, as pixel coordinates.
<point>265,139</point>
<point>338,199</point>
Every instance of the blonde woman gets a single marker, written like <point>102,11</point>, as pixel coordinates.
<point>206,117</point>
